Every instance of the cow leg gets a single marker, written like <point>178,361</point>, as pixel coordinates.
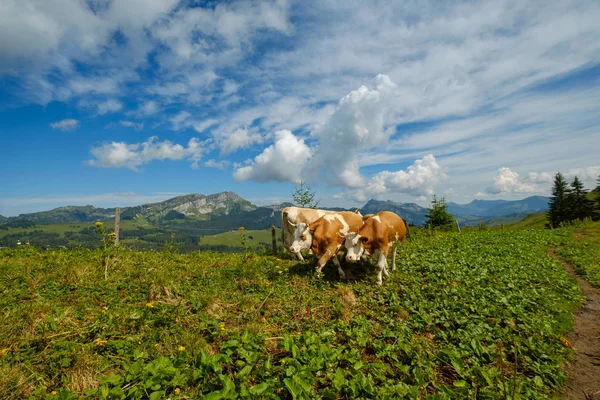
<point>394,247</point>
<point>299,256</point>
<point>323,260</point>
<point>339,267</point>
<point>381,263</point>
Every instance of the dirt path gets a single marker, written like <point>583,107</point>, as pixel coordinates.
<point>584,371</point>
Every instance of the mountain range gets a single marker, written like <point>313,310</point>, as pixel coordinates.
<point>226,211</point>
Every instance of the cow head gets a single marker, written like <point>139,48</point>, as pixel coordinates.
<point>358,247</point>
<point>302,238</point>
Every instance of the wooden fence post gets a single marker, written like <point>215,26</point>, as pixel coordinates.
<point>408,233</point>
<point>274,240</point>
<point>117,223</point>
<point>457,225</point>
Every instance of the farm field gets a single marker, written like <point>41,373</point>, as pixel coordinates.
<point>482,314</point>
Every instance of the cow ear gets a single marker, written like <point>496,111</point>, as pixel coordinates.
<point>364,239</point>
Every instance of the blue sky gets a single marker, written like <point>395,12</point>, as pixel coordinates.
<point>123,102</point>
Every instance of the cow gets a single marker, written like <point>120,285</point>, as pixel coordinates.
<point>325,236</point>
<point>294,220</point>
<point>380,233</point>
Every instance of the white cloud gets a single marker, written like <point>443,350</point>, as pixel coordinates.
<point>419,179</point>
<point>283,161</point>
<point>508,181</point>
<point>357,123</point>
<point>108,106</point>
<point>239,139</point>
<point>123,155</point>
<point>216,164</point>
<point>65,124</point>
<point>542,177</point>
<point>130,124</point>
<point>588,174</point>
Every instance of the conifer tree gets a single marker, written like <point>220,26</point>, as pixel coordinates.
<point>304,196</point>
<point>558,204</point>
<point>438,216</point>
<point>579,206</point>
<point>597,190</point>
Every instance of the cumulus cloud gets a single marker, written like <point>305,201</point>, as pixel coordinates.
<point>585,174</point>
<point>535,177</point>
<point>357,123</point>
<point>216,164</point>
<point>65,124</point>
<point>283,161</point>
<point>130,124</point>
<point>123,155</point>
<point>508,181</point>
<point>417,180</point>
<point>108,106</point>
<point>239,139</point>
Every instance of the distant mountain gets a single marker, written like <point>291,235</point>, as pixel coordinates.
<point>196,206</point>
<point>412,213</point>
<point>3,219</point>
<point>67,214</point>
<point>497,208</point>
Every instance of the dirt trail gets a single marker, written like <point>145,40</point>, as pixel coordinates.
<point>584,371</point>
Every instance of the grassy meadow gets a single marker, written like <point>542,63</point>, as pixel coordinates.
<point>482,314</point>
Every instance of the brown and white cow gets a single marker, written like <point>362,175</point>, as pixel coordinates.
<point>380,233</point>
<point>326,235</point>
<point>294,220</point>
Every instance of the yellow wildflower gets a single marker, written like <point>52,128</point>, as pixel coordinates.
<point>53,393</point>
<point>330,365</point>
<point>177,390</point>
<point>222,326</point>
<point>4,351</point>
<point>150,304</point>
<point>156,345</point>
<point>181,348</point>
<point>104,309</point>
<point>112,234</point>
<point>98,224</point>
<point>283,361</point>
<point>279,272</point>
<point>100,342</point>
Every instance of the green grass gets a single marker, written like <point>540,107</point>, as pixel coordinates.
<point>532,221</point>
<point>253,238</point>
<point>477,315</point>
<point>583,252</point>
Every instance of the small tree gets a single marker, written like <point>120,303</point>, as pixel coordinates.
<point>558,207</point>
<point>438,216</point>
<point>304,196</point>
<point>580,207</point>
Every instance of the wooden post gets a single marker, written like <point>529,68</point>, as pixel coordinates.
<point>457,225</point>
<point>274,240</point>
<point>408,233</point>
<point>117,222</point>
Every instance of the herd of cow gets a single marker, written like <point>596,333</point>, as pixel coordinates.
<point>324,233</point>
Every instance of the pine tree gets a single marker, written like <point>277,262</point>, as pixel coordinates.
<point>558,205</point>
<point>304,196</point>
<point>438,216</point>
<point>580,207</point>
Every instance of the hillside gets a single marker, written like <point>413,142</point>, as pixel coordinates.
<point>206,325</point>
<point>412,213</point>
<point>3,219</point>
<point>496,208</point>
<point>186,206</point>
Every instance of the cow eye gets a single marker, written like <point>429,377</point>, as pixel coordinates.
<point>303,237</point>
<point>364,239</point>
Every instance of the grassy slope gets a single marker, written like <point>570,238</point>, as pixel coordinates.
<point>532,221</point>
<point>583,252</point>
<point>253,238</point>
<point>479,314</point>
